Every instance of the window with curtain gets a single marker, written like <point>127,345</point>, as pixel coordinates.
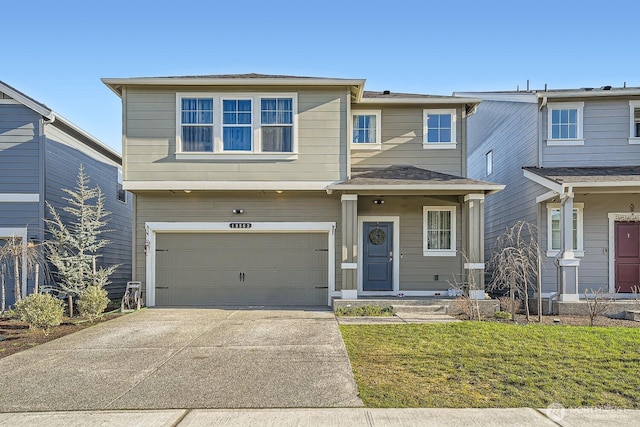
<point>197,124</point>
<point>365,129</point>
<point>439,230</point>
<point>276,119</point>
<point>237,125</point>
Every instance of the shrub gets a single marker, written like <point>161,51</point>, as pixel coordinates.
<point>502,315</point>
<point>92,302</point>
<point>367,310</point>
<point>40,311</point>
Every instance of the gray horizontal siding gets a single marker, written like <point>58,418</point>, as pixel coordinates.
<point>509,129</point>
<point>19,149</point>
<point>594,267</point>
<point>62,165</point>
<point>217,207</point>
<point>606,132</point>
<point>417,272</point>
<point>151,142</point>
<point>402,143</point>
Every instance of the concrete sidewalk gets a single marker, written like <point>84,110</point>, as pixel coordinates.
<point>352,417</point>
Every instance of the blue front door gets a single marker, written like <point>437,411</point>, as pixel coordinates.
<point>377,251</point>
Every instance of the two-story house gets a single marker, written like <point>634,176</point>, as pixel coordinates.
<point>40,155</point>
<point>571,162</point>
<point>279,190</point>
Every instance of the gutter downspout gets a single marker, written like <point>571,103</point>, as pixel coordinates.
<point>542,105</point>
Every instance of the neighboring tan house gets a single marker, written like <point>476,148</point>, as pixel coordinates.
<point>277,190</point>
<point>571,163</point>
<point>40,154</point>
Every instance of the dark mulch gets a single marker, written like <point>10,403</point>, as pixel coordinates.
<point>15,336</point>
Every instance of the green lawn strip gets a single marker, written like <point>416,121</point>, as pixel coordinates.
<point>478,364</point>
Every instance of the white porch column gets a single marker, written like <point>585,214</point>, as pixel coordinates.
<point>349,263</point>
<point>567,263</point>
<point>474,244</point>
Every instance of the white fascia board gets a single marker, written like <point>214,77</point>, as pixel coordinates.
<point>524,97</point>
<point>226,185</point>
<point>423,101</point>
<point>551,185</point>
<point>429,187</point>
<point>115,84</point>
<point>604,184</point>
<point>546,196</point>
<point>596,93</point>
<point>27,102</point>
<point>87,135</point>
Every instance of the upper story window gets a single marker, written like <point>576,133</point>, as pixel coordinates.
<point>276,115</point>
<point>564,122</point>
<point>121,193</point>
<point>634,119</point>
<point>440,128</point>
<point>489,163</point>
<point>245,125</point>
<point>236,125</point>
<point>196,121</point>
<point>439,227</point>
<point>365,127</point>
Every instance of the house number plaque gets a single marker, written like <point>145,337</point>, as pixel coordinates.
<point>240,225</point>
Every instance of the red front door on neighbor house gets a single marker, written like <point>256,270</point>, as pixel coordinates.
<point>627,263</point>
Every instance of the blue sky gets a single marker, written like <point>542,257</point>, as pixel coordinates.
<point>57,52</point>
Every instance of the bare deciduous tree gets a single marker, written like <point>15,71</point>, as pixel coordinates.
<point>14,252</point>
<point>597,303</point>
<point>516,264</point>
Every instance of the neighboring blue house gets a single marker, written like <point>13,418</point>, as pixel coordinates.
<point>40,154</point>
<point>571,162</point>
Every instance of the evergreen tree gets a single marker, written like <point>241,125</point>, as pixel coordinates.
<point>76,242</point>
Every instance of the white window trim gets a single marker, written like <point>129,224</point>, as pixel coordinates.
<point>454,124</point>
<point>578,252</point>
<point>579,106</point>
<point>439,252</point>
<point>488,162</point>
<point>632,106</point>
<point>196,95</point>
<point>218,153</point>
<point>255,148</point>
<point>367,145</point>
<point>153,228</point>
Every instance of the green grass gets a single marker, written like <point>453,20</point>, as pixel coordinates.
<point>365,310</point>
<point>477,364</point>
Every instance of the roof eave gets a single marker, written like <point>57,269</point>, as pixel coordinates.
<point>116,84</point>
<point>47,113</point>
<point>588,94</point>
<point>422,187</point>
<point>413,101</point>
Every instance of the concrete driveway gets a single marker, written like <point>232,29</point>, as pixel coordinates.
<point>186,358</point>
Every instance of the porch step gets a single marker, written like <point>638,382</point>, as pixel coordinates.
<point>426,309</point>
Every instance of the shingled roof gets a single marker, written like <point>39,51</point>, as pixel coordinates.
<point>411,177</point>
<point>576,175</point>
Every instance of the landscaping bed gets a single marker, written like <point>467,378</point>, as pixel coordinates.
<point>15,336</point>
<point>496,364</point>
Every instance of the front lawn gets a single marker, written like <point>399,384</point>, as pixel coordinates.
<point>483,364</point>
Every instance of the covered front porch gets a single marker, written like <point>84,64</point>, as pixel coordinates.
<point>589,230</point>
<point>411,232</point>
